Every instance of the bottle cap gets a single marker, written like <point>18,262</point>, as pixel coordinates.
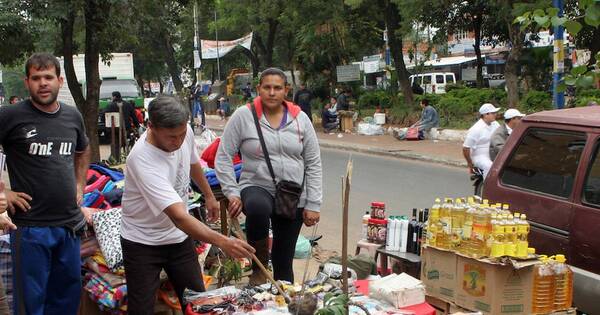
<point>517,215</point>
<point>505,206</point>
<point>378,204</point>
<point>530,251</point>
<point>437,200</point>
<point>523,216</point>
<point>561,258</point>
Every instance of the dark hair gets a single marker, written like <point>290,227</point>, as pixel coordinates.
<point>42,61</point>
<point>273,71</point>
<point>12,98</point>
<point>117,94</point>
<point>167,112</point>
<point>425,101</point>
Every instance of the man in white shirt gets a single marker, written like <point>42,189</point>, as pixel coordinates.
<point>156,228</point>
<point>476,148</point>
<point>512,118</point>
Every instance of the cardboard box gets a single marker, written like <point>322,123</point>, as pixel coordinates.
<point>399,290</point>
<point>494,288</point>
<point>438,273</point>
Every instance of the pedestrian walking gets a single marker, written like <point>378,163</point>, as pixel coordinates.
<point>280,149</point>
<point>303,98</point>
<point>198,109</point>
<point>47,157</point>
<point>156,228</point>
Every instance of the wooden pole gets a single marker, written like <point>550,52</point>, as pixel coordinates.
<point>113,147</point>
<point>346,180</point>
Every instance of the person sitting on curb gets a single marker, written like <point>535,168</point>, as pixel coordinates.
<point>512,118</point>
<point>429,118</point>
<point>223,110</point>
<point>329,120</point>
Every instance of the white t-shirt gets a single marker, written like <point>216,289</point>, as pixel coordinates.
<point>478,138</point>
<point>154,180</point>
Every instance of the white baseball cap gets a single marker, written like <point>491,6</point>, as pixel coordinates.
<point>488,108</point>
<point>512,113</point>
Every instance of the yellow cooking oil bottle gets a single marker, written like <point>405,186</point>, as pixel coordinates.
<point>466,246</point>
<point>543,287</point>
<point>522,236</point>
<point>444,238</point>
<point>510,233</point>
<point>479,234</point>
<point>563,280</point>
<point>458,219</point>
<point>498,237</point>
<point>432,229</point>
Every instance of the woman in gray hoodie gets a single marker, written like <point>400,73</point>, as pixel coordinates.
<point>294,152</point>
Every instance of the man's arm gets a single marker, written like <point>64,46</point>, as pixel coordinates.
<point>194,228</point>
<point>467,155</point>
<point>82,163</point>
<point>198,177</point>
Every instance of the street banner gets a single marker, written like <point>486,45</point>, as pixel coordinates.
<point>209,47</point>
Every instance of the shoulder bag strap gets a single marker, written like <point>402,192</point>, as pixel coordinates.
<point>262,143</point>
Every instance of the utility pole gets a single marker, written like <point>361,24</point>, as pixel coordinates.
<point>558,98</point>
<point>217,40</point>
<point>197,59</point>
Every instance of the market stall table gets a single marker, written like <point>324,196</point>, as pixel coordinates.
<point>409,263</point>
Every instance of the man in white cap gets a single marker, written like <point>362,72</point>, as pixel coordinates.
<point>512,118</point>
<point>476,148</point>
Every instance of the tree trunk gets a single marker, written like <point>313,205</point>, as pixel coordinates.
<point>273,24</point>
<point>511,72</point>
<point>67,51</point>
<point>95,19</point>
<point>253,60</point>
<point>477,46</point>
<point>594,48</point>
<point>392,21</point>
<point>172,62</point>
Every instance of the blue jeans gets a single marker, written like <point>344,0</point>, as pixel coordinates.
<point>199,111</point>
<point>46,270</point>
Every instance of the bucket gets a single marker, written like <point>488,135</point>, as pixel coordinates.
<point>379,118</point>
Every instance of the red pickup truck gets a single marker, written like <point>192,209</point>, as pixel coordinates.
<point>549,169</point>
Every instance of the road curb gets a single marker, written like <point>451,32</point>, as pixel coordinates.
<point>382,152</point>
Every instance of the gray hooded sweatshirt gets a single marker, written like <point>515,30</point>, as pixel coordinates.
<point>293,150</point>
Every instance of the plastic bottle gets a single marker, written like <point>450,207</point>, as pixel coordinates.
<point>522,235</point>
<point>390,237</point>
<point>498,237</point>
<point>403,233</point>
<point>365,225</point>
<point>435,209</point>
<point>397,233</point>
<point>446,219</point>
<point>432,229</point>
<point>563,279</point>
<point>543,287</point>
<point>510,231</point>
<point>466,246</point>
<point>479,234</point>
<point>458,220</point>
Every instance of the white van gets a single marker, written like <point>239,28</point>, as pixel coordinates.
<point>434,82</point>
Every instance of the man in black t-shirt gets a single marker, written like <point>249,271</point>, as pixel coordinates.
<point>47,158</point>
<point>303,98</point>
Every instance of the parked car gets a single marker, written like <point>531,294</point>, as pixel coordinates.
<point>549,169</point>
<point>435,82</point>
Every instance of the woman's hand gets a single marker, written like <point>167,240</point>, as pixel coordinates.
<point>311,217</point>
<point>235,206</point>
<point>3,201</point>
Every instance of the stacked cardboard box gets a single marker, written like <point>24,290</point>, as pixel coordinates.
<point>479,285</point>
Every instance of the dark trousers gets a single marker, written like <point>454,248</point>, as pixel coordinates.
<point>46,270</point>
<point>258,206</point>
<point>143,264</point>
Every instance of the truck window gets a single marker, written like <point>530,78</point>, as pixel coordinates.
<point>427,79</point>
<point>449,79</point>
<point>439,79</point>
<point>591,190</point>
<point>545,161</point>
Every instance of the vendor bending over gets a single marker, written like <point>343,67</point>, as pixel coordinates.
<point>156,229</point>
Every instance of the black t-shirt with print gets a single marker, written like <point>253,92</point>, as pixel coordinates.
<point>40,150</point>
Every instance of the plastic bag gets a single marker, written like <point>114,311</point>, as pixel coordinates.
<point>370,129</point>
<point>205,139</point>
<point>302,247</point>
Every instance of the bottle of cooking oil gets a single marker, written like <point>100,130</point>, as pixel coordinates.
<point>458,220</point>
<point>543,287</point>
<point>434,213</point>
<point>510,232</point>
<point>432,229</point>
<point>466,246</point>
<point>498,236</point>
<point>479,234</point>
<point>444,238</point>
<point>522,235</point>
<point>563,279</point>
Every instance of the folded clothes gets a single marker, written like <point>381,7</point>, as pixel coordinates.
<point>107,297</point>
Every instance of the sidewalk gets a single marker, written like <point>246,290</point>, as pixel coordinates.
<point>432,151</point>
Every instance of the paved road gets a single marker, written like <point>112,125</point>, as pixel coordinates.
<point>401,184</point>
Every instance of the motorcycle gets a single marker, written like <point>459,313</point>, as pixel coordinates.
<point>477,179</point>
